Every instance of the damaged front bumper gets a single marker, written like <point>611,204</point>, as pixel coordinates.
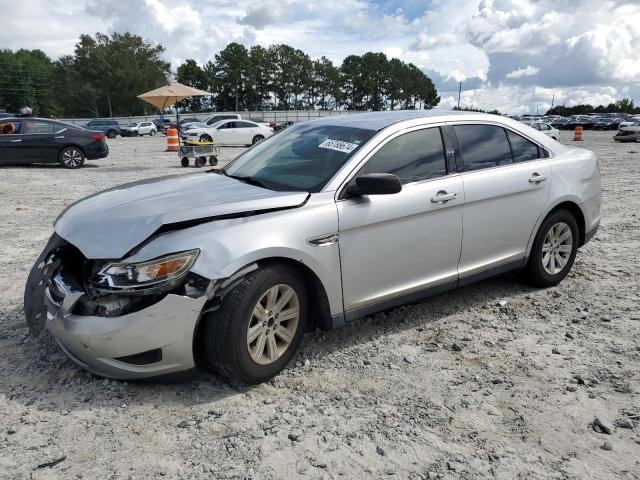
<point>150,340</point>
<point>154,341</point>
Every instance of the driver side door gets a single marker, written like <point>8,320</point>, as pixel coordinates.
<point>402,247</point>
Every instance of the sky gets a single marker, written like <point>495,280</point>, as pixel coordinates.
<point>511,55</point>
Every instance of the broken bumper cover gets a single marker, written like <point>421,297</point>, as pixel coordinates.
<point>115,347</point>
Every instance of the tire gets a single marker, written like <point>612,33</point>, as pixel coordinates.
<point>205,138</point>
<point>71,157</point>
<point>225,333</point>
<point>112,134</point>
<point>152,133</point>
<point>257,139</point>
<point>213,160</point>
<point>184,161</point>
<point>200,161</point>
<point>549,270</point>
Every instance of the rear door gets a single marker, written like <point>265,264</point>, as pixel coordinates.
<point>506,181</point>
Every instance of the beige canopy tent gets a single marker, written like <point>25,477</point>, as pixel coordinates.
<point>166,96</point>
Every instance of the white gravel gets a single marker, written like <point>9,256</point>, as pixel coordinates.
<point>387,397</point>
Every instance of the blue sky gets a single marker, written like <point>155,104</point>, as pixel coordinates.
<point>513,55</point>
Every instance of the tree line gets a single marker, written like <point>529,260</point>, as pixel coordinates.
<point>282,78</point>
<point>105,73</point>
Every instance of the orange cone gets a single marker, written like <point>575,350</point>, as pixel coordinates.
<point>172,140</point>
<point>577,135</point>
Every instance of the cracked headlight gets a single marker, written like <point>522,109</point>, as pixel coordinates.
<point>152,273</point>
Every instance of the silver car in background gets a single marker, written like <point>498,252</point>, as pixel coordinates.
<point>325,222</point>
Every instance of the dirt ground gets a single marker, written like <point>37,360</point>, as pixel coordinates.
<point>453,387</point>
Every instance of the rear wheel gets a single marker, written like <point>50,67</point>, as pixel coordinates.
<point>205,138</point>
<point>257,139</point>
<point>184,161</point>
<point>71,157</point>
<point>554,249</point>
<point>152,133</point>
<point>200,161</point>
<point>112,134</point>
<point>258,327</point>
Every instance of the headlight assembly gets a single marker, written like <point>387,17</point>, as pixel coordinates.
<point>149,275</point>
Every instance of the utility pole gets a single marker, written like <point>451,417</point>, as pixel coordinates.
<point>552,100</point>
<point>459,90</point>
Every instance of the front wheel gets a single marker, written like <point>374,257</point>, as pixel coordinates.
<point>71,157</point>
<point>258,327</point>
<point>554,249</point>
<point>205,138</point>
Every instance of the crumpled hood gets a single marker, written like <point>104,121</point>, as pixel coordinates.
<point>109,224</point>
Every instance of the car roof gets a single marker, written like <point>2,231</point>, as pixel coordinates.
<point>380,120</point>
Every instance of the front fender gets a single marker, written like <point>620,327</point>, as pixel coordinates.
<point>227,246</point>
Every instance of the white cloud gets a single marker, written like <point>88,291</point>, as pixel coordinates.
<point>512,55</point>
<point>527,71</point>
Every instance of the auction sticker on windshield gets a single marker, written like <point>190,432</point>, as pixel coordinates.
<point>338,145</point>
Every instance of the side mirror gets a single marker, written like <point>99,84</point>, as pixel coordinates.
<point>375,184</point>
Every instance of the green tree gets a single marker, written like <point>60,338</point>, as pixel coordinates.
<point>191,74</point>
<point>232,68</point>
<point>25,81</point>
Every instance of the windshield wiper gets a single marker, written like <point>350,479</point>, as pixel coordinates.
<point>249,180</point>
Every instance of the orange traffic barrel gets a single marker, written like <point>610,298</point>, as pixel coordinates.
<point>577,135</point>
<point>172,140</point>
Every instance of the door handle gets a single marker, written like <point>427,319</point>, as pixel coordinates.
<point>535,178</point>
<point>18,140</point>
<point>59,136</point>
<point>443,197</point>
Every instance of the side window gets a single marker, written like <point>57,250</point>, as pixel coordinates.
<point>36,126</point>
<point>412,157</point>
<point>483,146</point>
<point>245,125</point>
<point>522,148</point>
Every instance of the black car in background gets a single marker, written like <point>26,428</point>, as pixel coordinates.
<point>162,124</point>
<point>39,140</point>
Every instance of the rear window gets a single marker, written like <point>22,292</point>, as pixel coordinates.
<point>522,148</point>
<point>483,146</point>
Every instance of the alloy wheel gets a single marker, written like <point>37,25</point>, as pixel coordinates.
<point>273,324</point>
<point>557,248</point>
<point>72,158</point>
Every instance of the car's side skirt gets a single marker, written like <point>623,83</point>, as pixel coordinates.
<point>340,320</point>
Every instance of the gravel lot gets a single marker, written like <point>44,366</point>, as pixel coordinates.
<point>453,387</point>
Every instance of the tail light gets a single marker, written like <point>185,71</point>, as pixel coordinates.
<point>98,136</point>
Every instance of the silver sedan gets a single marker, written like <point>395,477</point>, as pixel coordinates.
<point>325,222</point>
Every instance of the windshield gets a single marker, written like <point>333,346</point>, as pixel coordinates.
<point>303,157</point>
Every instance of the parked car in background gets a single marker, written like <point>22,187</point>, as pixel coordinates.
<point>559,123</point>
<point>39,140</point>
<point>629,122</point>
<point>183,122</point>
<point>162,124</point>
<point>311,228</point>
<point>282,126</point>
<point>606,123</point>
<point>229,132</point>
<point>109,126</point>
<point>212,119</point>
<point>547,129</point>
<point>583,121</point>
<point>138,129</point>
<point>6,115</point>
<point>630,133</point>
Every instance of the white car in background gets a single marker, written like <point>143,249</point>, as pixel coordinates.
<point>138,129</point>
<point>229,132</point>
<point>547,129</point>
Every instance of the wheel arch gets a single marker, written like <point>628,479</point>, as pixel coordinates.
<point>319,309</point>
<point>572,206</point>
